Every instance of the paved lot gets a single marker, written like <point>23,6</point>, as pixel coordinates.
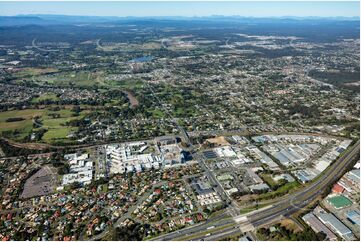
<point>39,184</point>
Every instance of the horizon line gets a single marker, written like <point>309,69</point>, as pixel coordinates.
<point>182,16</point>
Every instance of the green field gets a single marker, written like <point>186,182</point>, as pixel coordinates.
<point>252,208</point>
<point>157,113</point>
<point>55,122</point>
<point>46,96</point>
<point>24,127</point>
<point>280,191</point>
<point>269,180</point>
<point>127,84</point>
<point>72,78</point>
<point>339,202</point>
<point>30,72</point>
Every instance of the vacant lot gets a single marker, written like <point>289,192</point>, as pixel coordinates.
<point>220,141</point>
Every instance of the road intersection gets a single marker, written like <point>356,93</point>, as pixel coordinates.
<point>289,205</point>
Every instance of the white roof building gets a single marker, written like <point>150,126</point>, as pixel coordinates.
<point>81,169</point>
<point>336,225</point>
<point>225,151</point>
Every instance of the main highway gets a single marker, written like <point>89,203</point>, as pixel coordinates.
<point>217,221</point>
<point>299,200</point>
<point>289,205</point>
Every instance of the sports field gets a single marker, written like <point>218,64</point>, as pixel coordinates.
<point>339,202</point>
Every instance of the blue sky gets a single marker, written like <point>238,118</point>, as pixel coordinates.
<point>148,8</point>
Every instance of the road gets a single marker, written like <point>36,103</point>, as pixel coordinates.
<point>289,205</point>
<point>139,201</point>
<point>232,231</point>
<point>219,220</point>
<point>299,200</point>
<point>232,206</point>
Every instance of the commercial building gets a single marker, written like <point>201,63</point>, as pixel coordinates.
<point>336,225</point>
<point>241,140</point>
<point>128,158</point>
<point>225,151</point>
<point>259,187</point>
<point>205,193</point>
<point>317,226</point>
<point>81,169</point>
<point>283,176</point>
<point>210,154</point>
<point>241,158</point>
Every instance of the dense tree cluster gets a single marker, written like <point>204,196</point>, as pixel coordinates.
<point>282,233</point>
<point>134,232</point>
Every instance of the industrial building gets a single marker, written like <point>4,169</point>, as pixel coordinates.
<point>290,154</point>
<point>259,187</point>
<point>336,225</point>
<point>353,216</point>
<point>317,226</point>
<point>262,157</point>
<point>283,176</point>
<point>305,175</point>
<point>354,176</point>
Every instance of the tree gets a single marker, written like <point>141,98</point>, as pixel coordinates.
<point>134,232</point>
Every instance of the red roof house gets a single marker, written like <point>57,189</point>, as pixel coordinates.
<point>337,188</point>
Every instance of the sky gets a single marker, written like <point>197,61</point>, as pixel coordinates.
<point>189,9</point>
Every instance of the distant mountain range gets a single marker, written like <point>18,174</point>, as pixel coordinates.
<point>44,19</point>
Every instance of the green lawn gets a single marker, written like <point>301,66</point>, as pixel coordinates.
<point>57,133</point>
<point>47,96</point>
<point>280,191</point>
<point>29,72</point>
<point>127,84</point>
<point>252,208</point>
<point>73,78</point>
<point>157,113</point>
<point>57,128</point>
<point>268,179</point>
<point>27,114</point>
<point>22,127</point>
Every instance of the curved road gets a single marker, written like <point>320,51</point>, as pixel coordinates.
<point>289,205</point>
<point>301,199</point>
